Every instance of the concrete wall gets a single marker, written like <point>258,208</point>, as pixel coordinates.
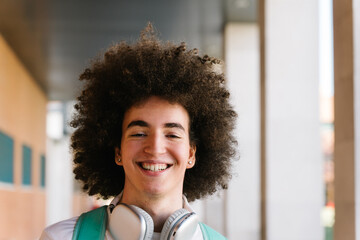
<point>22,117</point>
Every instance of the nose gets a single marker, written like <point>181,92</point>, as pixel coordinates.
<point>155,144</point>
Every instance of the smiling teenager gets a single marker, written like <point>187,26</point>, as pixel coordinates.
<point>154,131</point>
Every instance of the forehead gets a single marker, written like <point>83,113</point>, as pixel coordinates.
<point>156,110</point>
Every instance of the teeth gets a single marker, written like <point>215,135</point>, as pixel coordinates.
<point>154,167</point>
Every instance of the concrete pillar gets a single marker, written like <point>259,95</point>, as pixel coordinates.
<point>347,120</point>
<point>213,212</point>
<point>242,69</point>
<point>59,177</point>
<point>293,175</point>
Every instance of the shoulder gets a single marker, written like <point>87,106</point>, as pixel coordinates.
<point>62,230</point>
<point>210,234</point>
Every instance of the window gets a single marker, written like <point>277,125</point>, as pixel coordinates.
<point>42,170</point>
<point>26,165</point>
<point>6,158</point>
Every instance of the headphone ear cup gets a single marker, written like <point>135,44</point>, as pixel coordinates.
<point>170,223</point>
<point>148,221</point>
<point>130,222</point>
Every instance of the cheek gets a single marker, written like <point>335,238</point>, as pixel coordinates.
<point>128,149</point>
<point>182,153</point>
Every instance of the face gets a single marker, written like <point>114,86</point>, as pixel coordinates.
<point>155,148</point>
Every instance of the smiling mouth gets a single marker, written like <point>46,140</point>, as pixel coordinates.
<point>154,167</point>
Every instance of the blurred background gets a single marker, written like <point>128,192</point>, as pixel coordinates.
<point>292,68</point>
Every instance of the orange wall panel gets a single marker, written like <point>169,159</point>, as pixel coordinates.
<point>23,118</point>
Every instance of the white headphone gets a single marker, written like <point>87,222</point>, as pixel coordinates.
<point>129,222</point>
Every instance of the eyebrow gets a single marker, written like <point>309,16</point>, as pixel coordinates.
<point>141,123</point>
<point>174,125</point>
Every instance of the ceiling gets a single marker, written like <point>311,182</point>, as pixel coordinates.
<point>55,39</point>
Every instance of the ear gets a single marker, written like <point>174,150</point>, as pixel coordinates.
<point>118,159</point>
<point>192,159</point>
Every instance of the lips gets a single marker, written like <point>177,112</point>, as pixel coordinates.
<point>154,167</point>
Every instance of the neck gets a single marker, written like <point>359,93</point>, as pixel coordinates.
<point>159,207</point>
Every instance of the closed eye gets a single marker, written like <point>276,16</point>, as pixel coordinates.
<point>172,136</point>
<point>138,135</point>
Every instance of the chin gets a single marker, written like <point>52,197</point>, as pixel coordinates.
<point>156,190</point>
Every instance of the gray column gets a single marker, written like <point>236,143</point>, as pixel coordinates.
<point>59,181</point>
<point>213,212</point>
<point>242,69</point>
<point>294,187</point>
<point>59,176</point>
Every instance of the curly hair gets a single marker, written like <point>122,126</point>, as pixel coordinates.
<point>129,74</point>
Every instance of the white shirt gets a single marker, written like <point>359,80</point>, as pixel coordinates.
<point>64,230</point>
